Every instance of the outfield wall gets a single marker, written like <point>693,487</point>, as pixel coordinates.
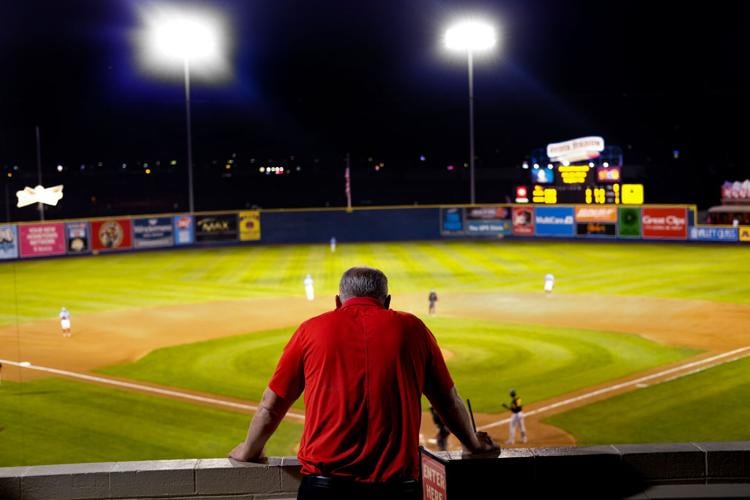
<point>129,233</point>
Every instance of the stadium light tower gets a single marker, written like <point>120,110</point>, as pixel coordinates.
<point>471,36</point>
<point>175,38</point>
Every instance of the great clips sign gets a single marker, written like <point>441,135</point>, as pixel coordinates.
<point>664,223</point>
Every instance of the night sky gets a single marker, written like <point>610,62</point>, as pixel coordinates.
<point>323,78</point>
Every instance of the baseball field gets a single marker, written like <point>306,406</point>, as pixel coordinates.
<point>171,350</point>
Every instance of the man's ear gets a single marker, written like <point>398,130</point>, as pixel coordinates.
<point>338,302</point>
<point>387,302</point>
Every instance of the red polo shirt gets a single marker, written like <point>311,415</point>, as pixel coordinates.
<point>363,369</point>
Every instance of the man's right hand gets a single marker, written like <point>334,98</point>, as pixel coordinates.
<point>484,445</point>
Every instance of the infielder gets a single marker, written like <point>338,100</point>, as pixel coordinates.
<point>516,420</point>
<point>65,322</point>
<point>309,288</point>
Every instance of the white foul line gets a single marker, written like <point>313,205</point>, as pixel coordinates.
<point>143,388</point>
<point>635,382</point>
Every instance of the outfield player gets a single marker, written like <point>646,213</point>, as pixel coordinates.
<point>432,298</point>
<point>516,420</point>
<point>65,322</point>
<point>309,288</point>
<point>333,244</point>
<point>549,282</point>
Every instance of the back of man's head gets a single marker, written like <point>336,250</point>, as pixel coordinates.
<point>363,282</point>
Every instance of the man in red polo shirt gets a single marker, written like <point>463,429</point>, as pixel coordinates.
<point>363,369</point>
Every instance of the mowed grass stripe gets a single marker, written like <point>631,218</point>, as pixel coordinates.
<point>487,359</point>
<point>60,421</point>
<point>707,406</point>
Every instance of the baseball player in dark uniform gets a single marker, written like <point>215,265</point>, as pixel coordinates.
<point>516,420</point>
<point>432,298</point>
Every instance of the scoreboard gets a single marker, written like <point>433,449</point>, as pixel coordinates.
<point>584,184</point>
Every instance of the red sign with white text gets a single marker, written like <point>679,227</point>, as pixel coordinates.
<point>433,479</point>
<point>523,221</point>
<point>38,240</point>
<point>664,223</point>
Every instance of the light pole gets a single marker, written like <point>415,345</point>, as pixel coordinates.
<point>470,36</point>
<point>190,39</point>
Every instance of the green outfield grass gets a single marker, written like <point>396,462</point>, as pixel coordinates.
<point>711,405</point>
<point>59,421</point>
<point>108,282</point>
<point>487,360</point>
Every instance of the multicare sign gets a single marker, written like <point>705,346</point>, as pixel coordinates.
<point>523,221</point>
<point>712,233</point>
<point>664,223</point>
<point>554,221</point>
<point>112,234</point>
<point>40,240</point>
<point>8,242</point>
<point>153,232</point>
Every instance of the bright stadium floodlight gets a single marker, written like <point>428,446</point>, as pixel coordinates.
<point>174,38</point>
<point>471,36</point>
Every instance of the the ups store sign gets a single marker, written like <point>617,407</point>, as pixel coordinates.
<point>216,227</point>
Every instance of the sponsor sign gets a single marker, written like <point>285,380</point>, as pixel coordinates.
<point>744,233</point>
<point>736,191</point>
<point>596,214</point>
<point>219,227</point>
<point>664,223</point>
<point>183,230</point>
<point>554,221</point>
<point>8,242</point>
<point>583,148</point>
<point>250,225</point>
<point>608,175</point>
<point>712,233</point>
<point>111,234</point>
<point>595,229</point>
<point>629,222</point>
<point>451,221</point>
<point>523,221</point>
<point>489,221</point>
<point>77,237</point>
<point>433,479</point>
<point>153,232</point>
<point>39,240</point>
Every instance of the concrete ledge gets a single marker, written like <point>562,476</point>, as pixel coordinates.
<point>681,470</point>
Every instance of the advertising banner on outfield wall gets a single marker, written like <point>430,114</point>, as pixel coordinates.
<point>153,232</point>
<point>250,225</point>
<point>712,233</point>
<point>183,230</point>
<point>664,223</point>
<point>596,229</point>
<point>111,234</point>
<point>219,227</point>
<point>629,222</point>
<point>39,240</point>
<point>77,237</point>
<point>487,221</point>
<point>554,221</point>
<point>745,233</point>
<point>451,221</point>
<point>523,221</point>
<point>8,242</point>
<point>607,214</point>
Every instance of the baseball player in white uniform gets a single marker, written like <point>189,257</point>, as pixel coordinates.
<point>309,288</point>
<point>65,322</point>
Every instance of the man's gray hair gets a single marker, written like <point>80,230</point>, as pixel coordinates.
<point>363,282</point>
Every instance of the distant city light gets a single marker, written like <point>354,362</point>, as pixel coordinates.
<point>676,154</point>
<point>83,167</point>
<point>605,164</point>
<point>173,162</point>
<point>299,168</point>
<point>470,35</point>
<point>10,174</point>
<point>228,166</point>
<point>451,168</point>
<point>124,165</point>
<point>15,167</point>
<point>59,168</point>
<point>148,171</point>
<point>549,166</point>
<point>422,158</point>
<point>591,164</point>
<point>262,169</point>
<point>525,166</point>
